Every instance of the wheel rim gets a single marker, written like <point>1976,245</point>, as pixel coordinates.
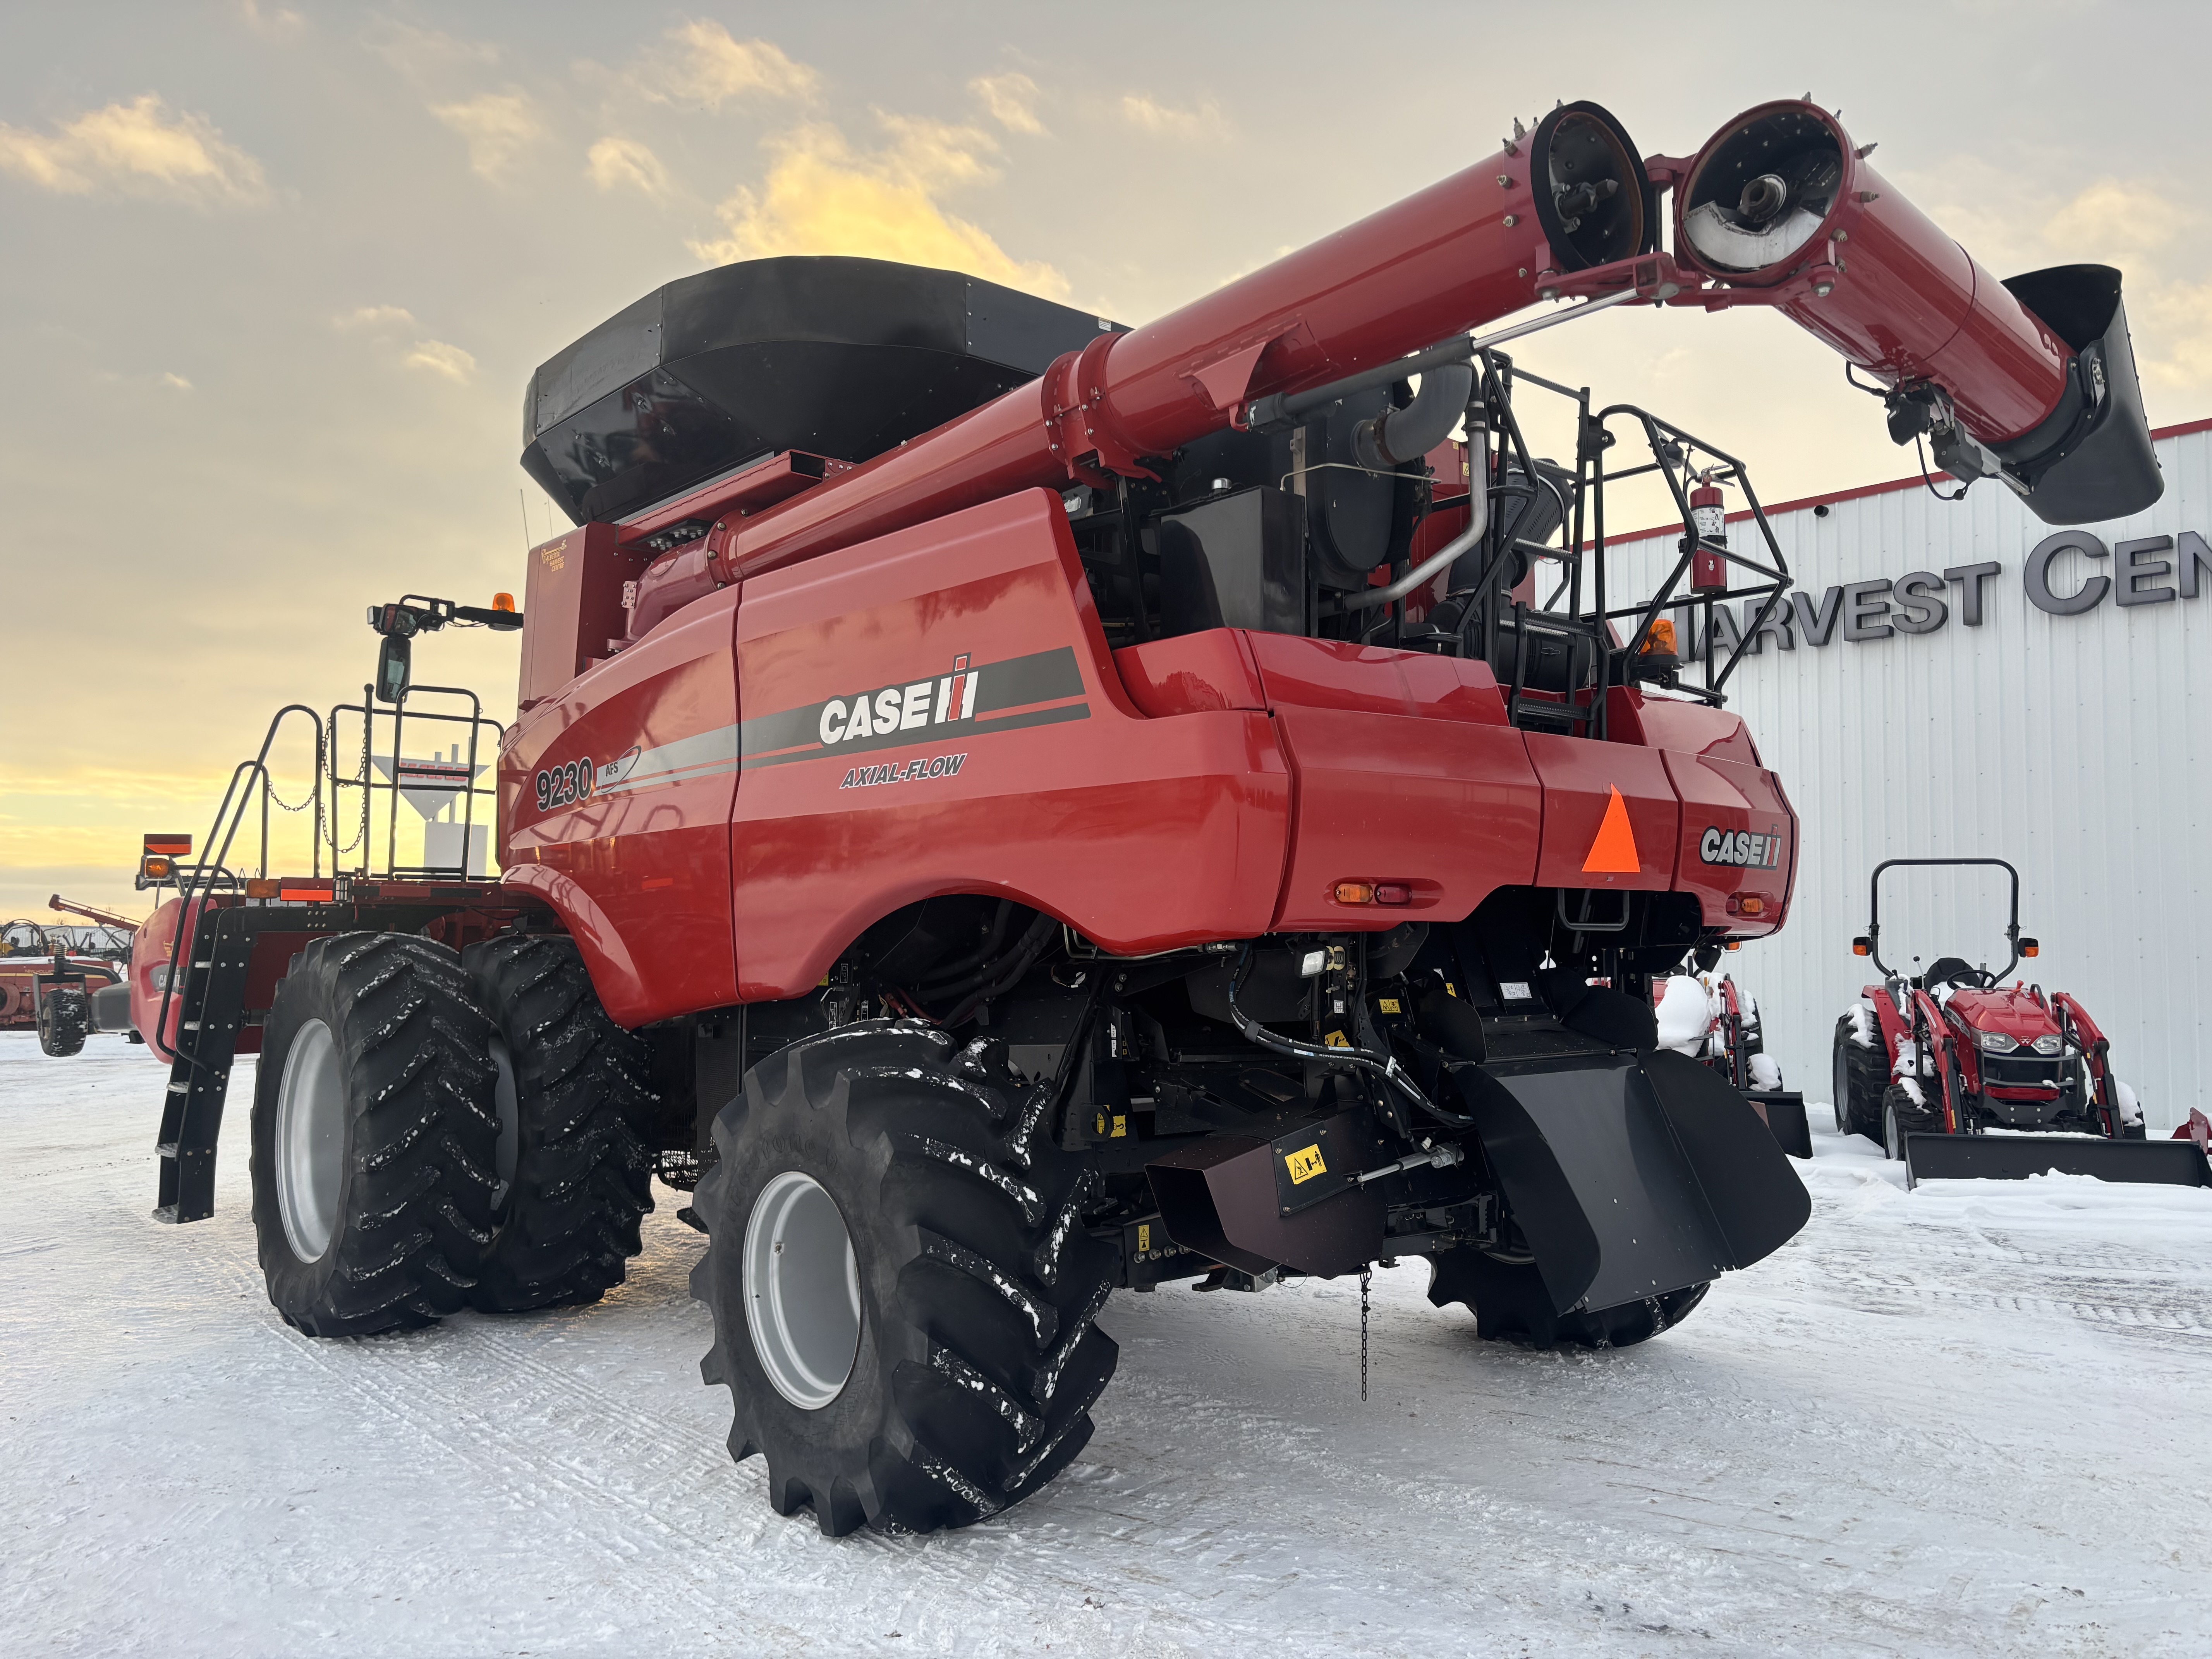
<point>310,1140</point>
<point>1841,1085</point>
<point>510,1123</point>
<point>1893,1141</point>
<point>802,1287</point>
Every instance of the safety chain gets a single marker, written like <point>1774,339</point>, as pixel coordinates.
<point>1366,1274</point>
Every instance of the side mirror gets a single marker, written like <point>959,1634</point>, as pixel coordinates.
<point>395,661</point>
<point>2029,947</point>
<point>1862,946</point>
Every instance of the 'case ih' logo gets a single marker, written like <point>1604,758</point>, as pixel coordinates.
<point>1718,845</point>
<point>903,707</point>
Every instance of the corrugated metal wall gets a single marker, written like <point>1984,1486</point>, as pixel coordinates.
<point>2080,748</point>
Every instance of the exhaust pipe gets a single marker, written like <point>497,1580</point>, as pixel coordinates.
<point>2031,381</point>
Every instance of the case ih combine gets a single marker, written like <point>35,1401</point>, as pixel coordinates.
<point>1925,1063</point>
<point>1012,806</point>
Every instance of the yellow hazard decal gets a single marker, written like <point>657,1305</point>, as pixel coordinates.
<point>1387,1005</point>
<point>1144,1235</point>
<point>1305,1165</point>
<point>1337,1039</point>
<point>1121,1127</point>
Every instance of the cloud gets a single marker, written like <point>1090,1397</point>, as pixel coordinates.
<point>1012,100</point>
<point>823,196</point>
<point>378,316</point>
<point>425,55</point>
<point>436,355</point>
<point>497,126</point>
<point>615,162</point>
<point>1165,121</point>
<point>174,382</point>
<point>2115,215</point>
<point>706,68</point>
<point>271,22</point>
<point>137,148</point>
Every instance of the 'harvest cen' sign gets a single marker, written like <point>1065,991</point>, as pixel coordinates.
<point>2149,570</point>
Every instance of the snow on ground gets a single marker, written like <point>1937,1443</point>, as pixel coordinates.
<point>1971,1418</point>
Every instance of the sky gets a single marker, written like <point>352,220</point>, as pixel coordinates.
<point>273,277</point>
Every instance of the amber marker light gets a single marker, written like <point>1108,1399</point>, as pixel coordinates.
<point>261,887</point>
<point>1354,892</point>
<point>503,602</point>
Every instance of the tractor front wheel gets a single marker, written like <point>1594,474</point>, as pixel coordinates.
<point>902,1290</point>
<point>373,1136</point>
<point>64,1016</point>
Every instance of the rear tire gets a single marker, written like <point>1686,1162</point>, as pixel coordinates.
<point>1510,1305</point>
<point>575,1106</point>
<point>64,1016</point>
<point>874,1162</point>
<point>374,1134</point>
<point>1858,1076</point>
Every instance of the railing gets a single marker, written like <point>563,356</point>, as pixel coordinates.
<point>1588,614</point>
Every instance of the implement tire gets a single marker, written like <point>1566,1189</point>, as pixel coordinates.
<point>374,1135</point>
<point>1858,1077</point>
<point>902,1290</point>
<point>1510,1305</point>
<point>575,1107</point>
<point>64,1016</point>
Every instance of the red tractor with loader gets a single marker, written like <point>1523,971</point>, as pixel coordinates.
<point>1006,807</point>
<point>1930,1063</point>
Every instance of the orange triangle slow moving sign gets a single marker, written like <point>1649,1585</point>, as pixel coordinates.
<point>1613,852</point>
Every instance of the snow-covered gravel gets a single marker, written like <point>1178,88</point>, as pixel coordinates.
<point>1972,1418</point>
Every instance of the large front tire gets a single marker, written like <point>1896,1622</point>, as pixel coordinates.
<point>575,1105</point>
<point>902,1290</point>
<point>374,1134</point>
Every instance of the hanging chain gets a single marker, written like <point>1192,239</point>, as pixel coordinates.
<point>1366,1274</point>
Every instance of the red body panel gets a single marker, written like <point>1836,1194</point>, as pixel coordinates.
<point>1143,834</point>
<point>1579,779</point>
<point>149,949</point>
<point>638,863</point>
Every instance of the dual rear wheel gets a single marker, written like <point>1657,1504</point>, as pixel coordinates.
<point>432,1132</point>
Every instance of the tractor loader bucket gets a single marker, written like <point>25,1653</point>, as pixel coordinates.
<point>1783,1110</point>
<point>1633,1175</point>
<point>2016,1157</point>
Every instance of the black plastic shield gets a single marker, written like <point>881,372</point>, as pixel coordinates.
<point>2016,1157</point>
<point>1631,1178</point>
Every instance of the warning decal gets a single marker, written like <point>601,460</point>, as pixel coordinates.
<point>1613,852</point>
<point>1305,1163</point>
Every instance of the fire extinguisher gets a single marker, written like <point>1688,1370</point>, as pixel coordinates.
<point>1708,567</point>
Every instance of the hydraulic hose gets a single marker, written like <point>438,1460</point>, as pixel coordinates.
<point>1383,1067</point>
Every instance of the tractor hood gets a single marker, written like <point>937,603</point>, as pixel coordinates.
<point>2014,1012</point>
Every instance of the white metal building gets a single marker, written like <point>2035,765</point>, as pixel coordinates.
<point>2072,736</point>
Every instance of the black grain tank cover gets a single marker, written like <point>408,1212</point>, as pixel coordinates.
<point>838,356</point>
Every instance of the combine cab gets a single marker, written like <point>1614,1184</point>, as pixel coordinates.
<point>1004,807</point>
<point>1955,1073</point>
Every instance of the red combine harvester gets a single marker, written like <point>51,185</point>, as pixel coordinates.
<point>1010,806</point>
<point>1929,1063</point>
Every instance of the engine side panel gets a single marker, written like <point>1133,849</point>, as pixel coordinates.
<point>937,711</point>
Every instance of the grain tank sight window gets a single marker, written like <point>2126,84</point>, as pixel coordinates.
<point>1762,192</point>
<point>1592,198</point>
